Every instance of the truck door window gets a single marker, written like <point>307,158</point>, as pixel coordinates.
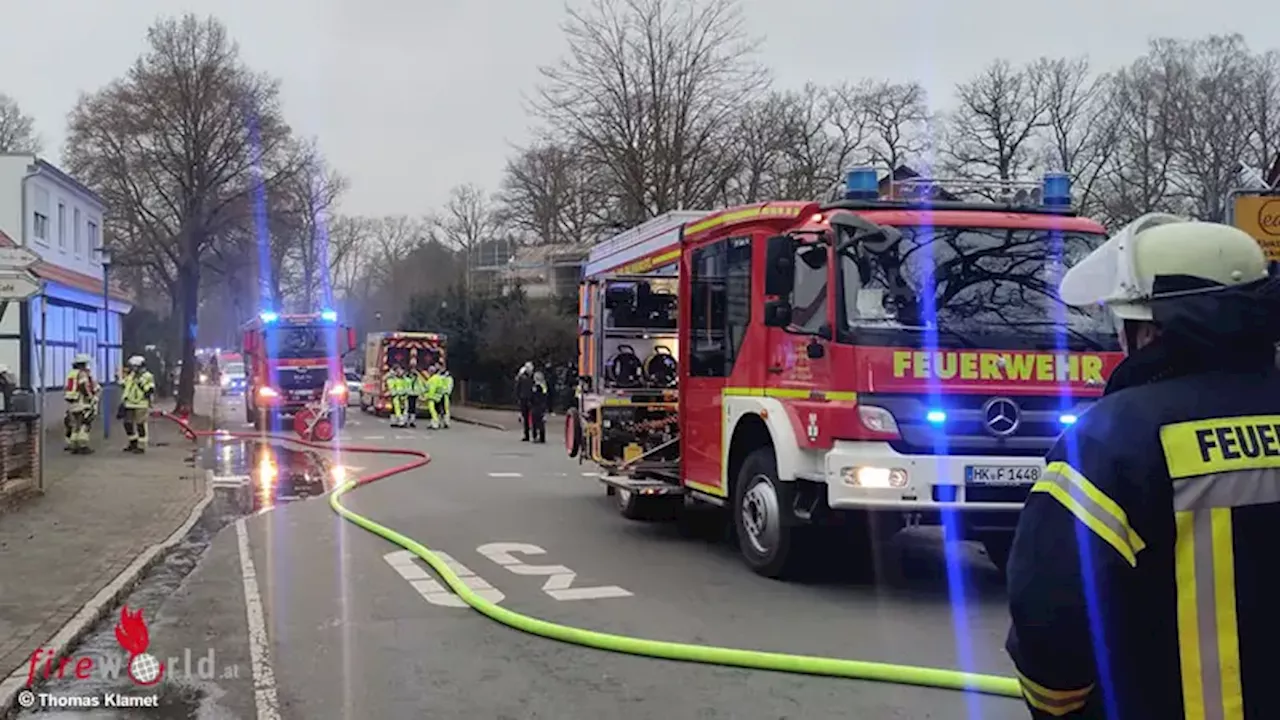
<point>707,351</point>
<point>809,295</point>
<point>737,297</point>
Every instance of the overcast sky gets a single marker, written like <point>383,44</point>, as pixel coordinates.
<point>410,97</point>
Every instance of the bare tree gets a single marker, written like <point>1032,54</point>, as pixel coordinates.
<point>307,200</point>
<point>898,119</point>
<point>991,131</point>
<point>467,220</point>
<point>178,148</point>
<point>1080,125</point>
<point>1262,108</point>
<point>762,138</point>
<point>17,129</point>
<point>649,92</point>
<point>551,196</point>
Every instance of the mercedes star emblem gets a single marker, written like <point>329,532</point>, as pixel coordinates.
<point>1001,416</point>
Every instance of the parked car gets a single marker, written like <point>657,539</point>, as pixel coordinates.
<point>232,379</point>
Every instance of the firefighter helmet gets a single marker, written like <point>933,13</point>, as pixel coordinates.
<point>136,361</point>
<point>82,359</point>
<point>1159,257</point>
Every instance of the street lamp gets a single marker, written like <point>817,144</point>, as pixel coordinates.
<point>104,256</point>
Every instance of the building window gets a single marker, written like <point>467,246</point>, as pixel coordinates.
<point>75,232</point>
<point>94,242</point>
<point>62,227</point>
<point>40,227</point>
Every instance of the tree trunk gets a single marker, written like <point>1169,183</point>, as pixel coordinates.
<point>189,290</point>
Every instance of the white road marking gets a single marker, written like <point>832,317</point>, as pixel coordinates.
<point>559,578</point>
<point>374,437</point>
<point>264,677</point>
<point>505,475</point>
<point>407,565</point>
<point>592,474</point>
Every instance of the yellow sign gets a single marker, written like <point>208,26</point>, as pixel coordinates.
<point>996,366</point>
<point>1259,215</point>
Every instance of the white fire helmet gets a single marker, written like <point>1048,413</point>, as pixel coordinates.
<point>136,361</point>
<point>1121,273</point>
<point>82,359</point>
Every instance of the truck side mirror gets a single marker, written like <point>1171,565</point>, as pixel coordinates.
<point>777,313</point>
<point>780,265</point>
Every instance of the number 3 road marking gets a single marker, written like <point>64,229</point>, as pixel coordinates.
<point>559,584</point>
<point>406,563</point>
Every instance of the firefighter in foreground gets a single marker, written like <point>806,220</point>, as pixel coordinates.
<point>138,388</point>
<point>81,391</point>
<point>1137,580</point>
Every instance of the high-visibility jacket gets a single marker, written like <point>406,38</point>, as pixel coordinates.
<point>448,386</point>
<point>435,387</point>
<point>395,385</point>
<point>417,382</point>
<point>1138,579</point>
<point>138,389</point>
<point>80,389</point>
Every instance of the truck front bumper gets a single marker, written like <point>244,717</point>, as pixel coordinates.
<point>985,491</point>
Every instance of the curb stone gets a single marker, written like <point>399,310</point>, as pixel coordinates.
<point>480,423</point>
<point>66,639</point>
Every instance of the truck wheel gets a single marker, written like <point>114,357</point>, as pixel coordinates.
<point>998,547</point>
<point>767,534</point>
<point>572,433</point>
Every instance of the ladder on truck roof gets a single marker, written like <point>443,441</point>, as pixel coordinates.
<point>639,242</point>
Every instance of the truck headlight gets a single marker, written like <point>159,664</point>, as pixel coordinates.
<point>873,478</point>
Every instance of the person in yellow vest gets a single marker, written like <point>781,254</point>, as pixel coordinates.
<point>139,389</point>
<point>445,413</point>
<point>81,393</point>
<point>416,387</point>
<point>397,385</point>
<point>435,393</point>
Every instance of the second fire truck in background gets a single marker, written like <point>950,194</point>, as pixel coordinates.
<point>385,350</point>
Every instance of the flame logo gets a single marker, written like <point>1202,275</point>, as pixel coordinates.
<point>132,634</point>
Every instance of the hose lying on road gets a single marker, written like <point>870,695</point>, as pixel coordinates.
<point>708,654</point>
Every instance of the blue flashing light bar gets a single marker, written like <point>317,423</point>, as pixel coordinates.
<point>267,316</point>
<point>1056,191</point>
<point>937,417</point>
<point>329,316</point>
<point>1067,419</point>
<point>862,183</point>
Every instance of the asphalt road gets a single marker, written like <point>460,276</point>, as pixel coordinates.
<point>348,636</point>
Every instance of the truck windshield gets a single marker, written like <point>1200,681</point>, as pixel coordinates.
<point>991,287</point>
<point>298,342</point>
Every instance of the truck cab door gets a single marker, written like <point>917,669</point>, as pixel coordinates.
<point>800,352</point>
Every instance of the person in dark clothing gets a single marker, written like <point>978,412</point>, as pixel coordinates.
<point>538,403</point>
<point>1138,574</point>
<point>524,396</point>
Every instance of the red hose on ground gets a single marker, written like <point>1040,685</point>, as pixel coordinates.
<point>420,458</point>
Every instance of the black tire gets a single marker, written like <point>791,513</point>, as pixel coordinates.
<point>572,433</point>
<point>770,544</point>
<point>249,411</point>
<point>998,547</point>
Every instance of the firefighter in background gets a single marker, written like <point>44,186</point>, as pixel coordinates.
<point>138,388</point>
<point>397,386</point>
<point>435,395</point>
<point>1138,579</point>
<point>524,395</point>
<point>81,391</point>
<point>539,400</point>
<point>416,387</point>
<point>446,412</point>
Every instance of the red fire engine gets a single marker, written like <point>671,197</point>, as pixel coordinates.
<point>290,361</point>
<point>863,363</point>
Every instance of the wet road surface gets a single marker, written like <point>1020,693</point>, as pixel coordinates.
<point>354,628</point>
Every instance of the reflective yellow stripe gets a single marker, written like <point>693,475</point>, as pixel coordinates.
<point>1208,633</point>
<point>1092,507</point>
<point>1054,702</point>
<point>704,488</point>
<point>793,393</point>
<point>734,216</point>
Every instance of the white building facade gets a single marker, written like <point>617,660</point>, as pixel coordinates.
<point>49,212</point>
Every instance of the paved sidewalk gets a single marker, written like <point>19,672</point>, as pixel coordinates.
<point>98,514</point>
<point>499,419</point>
